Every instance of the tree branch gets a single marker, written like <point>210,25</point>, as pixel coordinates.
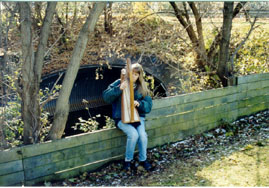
<point>186,13</point>
<point>198,19</point>
<point>243,42</point>
<point>238,7</point>
<point>188,27</point>
<point>55,43</point>
<point>39,60</point>
<point>213,48</point>
<point>51,97</point>
<point>199,26</point>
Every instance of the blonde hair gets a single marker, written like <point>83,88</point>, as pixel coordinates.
<point>141,84</point>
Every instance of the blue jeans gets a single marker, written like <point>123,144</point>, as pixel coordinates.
<point>133,135</point>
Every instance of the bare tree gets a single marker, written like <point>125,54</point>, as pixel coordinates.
<point>206,57</point>
<point>32,64</point>
<point>62,105</point>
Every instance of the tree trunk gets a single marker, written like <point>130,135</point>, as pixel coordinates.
<point>108,19</point>
<point>62,105</point>
<point>31,71</point>
<point>197,42</point>
<point>29,113</point>
<point>225,41</point>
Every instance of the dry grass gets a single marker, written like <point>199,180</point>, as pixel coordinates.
<point>247,167</point>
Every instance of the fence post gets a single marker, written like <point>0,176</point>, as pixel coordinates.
<point>232,81</point>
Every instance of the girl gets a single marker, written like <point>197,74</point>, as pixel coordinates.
<point>135,131</point>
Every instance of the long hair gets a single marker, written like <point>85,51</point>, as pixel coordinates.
<point>141,84</point>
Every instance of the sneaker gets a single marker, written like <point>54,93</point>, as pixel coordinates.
<point>147,166</point>
<point>127,165</point>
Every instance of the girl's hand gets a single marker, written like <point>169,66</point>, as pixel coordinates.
<point>136,104</point>
<point>123,85</point>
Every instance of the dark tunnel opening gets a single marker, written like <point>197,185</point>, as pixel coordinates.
<point>87,87</point>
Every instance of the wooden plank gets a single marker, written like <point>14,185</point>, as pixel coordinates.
<point>177,136</point>
<point>194,105</point>
<point>183,117</point>
<point>255,100</point>
<point>242,79</point>
<point>252,93</point>
<point>251,109</point>
<point>192,124</point>
<point>265,83</point>
<point>229,108</point>
<point>12,179</point>
<point>259,107</point>
<point>71,163</point>
<point>11,167</point>
<point>258,85</point>
<point>157,113</point>
<point>72,141</point>
<point>253,86</point>
<point>242,87</point>
<point>61,155</point>
<point>252,78</point>
<point>72,172</point>
<point>158,141</point>
<point>12,154</point>
<point>257,92</point>
<point>199,129</point>
<point>252,100</point>
<point>192,97</point>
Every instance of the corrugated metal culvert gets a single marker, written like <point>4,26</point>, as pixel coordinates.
<point>87,87</point>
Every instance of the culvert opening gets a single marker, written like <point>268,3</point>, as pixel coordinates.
<point>88,87</point>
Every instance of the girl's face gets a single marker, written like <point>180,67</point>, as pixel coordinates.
<point>135,76</point>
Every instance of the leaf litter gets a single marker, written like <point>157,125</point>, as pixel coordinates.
<point>233,154</point>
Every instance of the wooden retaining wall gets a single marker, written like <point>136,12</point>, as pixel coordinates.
<point>171,119</point>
